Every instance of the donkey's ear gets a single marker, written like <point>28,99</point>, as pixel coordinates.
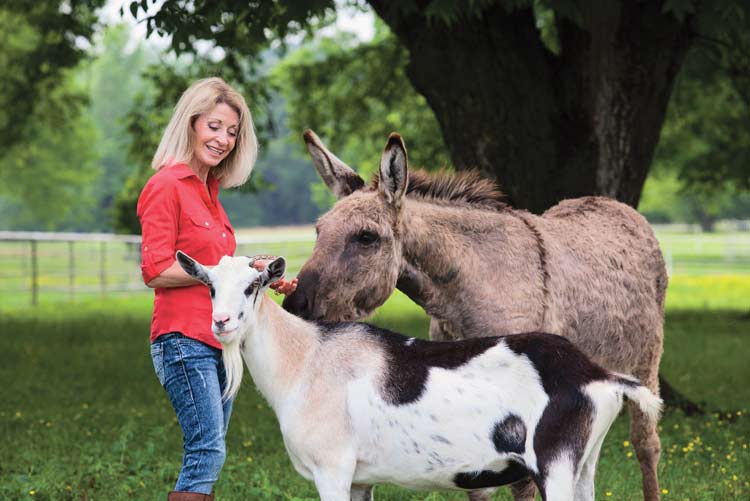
<point>339,177</point>
<point>273,271</point>
<point>192,267</point>
<point>394,172</point>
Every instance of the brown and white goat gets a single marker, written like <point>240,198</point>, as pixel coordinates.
<point>359,405</point>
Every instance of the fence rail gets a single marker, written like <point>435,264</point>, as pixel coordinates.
<point>40,266</point>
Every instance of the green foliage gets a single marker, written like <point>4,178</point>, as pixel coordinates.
<point>355,94</point>
<point>51,173</point>
<point>705,137</point>
<point>666,198</point>
<point>70,161</point>
<point>702,164</point>
<point>285,197</point>
<point>38,42</point>
<point>242,30</point>
<point>115,80</point>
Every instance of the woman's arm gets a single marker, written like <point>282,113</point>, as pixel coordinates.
<point>174,276</point>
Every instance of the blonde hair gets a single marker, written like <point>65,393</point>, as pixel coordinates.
<point>176,145</point>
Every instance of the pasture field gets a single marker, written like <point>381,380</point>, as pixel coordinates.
<point>82,415</point>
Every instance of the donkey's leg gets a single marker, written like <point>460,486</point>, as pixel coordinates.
<point>481,495</point>
<point>643,433</point>
<point>361,492</point>
<point>647,446</point>
<point>524,490</point>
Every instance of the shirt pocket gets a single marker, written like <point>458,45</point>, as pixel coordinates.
<point>201,220</point>
<point>198,234</point>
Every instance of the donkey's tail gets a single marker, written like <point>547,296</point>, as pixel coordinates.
<point>649,403</point>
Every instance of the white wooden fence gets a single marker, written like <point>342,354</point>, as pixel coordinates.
<point>40,266</point>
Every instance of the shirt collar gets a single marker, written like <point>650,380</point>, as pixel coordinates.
<point>183,171</point>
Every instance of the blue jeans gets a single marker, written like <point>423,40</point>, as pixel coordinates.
<point>193,375</point>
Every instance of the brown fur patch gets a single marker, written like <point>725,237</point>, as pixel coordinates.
<point>466,187</point>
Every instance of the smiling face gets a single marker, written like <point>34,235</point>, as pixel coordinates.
<point>215,137</point>
<point>236,289</point>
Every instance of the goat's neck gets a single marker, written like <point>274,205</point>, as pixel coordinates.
<point>276,348</point>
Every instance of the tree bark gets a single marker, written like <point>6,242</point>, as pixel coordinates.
<point>548,126</point>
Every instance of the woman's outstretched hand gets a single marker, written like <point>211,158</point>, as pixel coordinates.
<point>282,286</point>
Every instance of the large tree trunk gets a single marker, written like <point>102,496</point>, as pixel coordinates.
<point>548,126</point>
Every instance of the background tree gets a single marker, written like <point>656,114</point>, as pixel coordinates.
<point>46,159</point>
<point>38,42</point>
<point>552,98</point>
<point>704,151</point>
<point>115,81</point>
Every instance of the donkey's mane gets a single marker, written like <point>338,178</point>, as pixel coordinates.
<point>466,187</point>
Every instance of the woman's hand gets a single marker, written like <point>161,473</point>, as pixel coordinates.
<point>282,286</point>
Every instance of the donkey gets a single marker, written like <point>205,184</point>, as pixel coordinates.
<point>589,269</point>
<point>360,405</point>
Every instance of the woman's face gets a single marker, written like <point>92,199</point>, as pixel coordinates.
<point>215,136</point>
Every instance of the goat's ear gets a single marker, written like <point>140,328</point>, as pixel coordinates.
<point>192,267</point>
<point>394,171</point>
<point>273,271</point>
<point>339,177</point>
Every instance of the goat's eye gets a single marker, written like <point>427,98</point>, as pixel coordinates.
<point>251,288</point>
<point>212,291</point>
<point>366,238</point>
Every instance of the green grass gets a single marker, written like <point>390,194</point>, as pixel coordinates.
<point>83,417</point>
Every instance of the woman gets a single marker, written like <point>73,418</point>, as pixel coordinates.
<point>209,142</point>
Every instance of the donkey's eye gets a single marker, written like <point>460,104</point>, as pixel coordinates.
<point>366,238</point>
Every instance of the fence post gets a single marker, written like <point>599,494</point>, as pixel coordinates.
<point>103,267</point>
<point>34,275</point>
<point>71,269</point>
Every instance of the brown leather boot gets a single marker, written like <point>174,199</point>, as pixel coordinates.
<point>189,496</point>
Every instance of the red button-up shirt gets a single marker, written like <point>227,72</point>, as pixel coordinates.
<point>178,213</point>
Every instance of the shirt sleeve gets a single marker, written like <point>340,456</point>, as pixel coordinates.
<point>159,213</point>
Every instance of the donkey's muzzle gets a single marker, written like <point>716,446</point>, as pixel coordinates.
<point>302,301</point>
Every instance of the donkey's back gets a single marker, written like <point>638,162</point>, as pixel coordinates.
<point>605,280</point>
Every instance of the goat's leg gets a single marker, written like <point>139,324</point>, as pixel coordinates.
<point>647,446</point>
<point>559,483</point>
<point>361,493</point>
<point>585,483</point>
<point>332,489</point>
<point>334,483</point>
